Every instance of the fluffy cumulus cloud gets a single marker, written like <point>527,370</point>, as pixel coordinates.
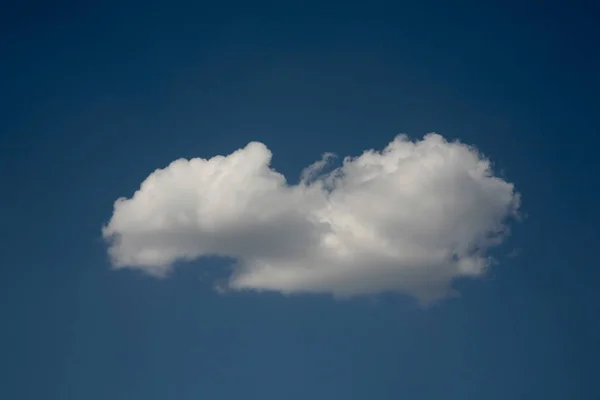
<point>410,218</point>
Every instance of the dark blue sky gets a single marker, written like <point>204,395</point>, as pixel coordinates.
<point>95,97</point>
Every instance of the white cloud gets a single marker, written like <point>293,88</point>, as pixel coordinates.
<point>410,218</point>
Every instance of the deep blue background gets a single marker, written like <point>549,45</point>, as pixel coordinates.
<point>95,97</point>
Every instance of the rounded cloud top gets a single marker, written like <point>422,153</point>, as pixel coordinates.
<point>410,218</point>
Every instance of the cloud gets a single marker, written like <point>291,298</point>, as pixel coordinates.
<point>410,218</point>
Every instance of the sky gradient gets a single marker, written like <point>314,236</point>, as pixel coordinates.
<point>94,98</point>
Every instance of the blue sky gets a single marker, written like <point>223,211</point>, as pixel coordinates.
<point>96,97</point>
